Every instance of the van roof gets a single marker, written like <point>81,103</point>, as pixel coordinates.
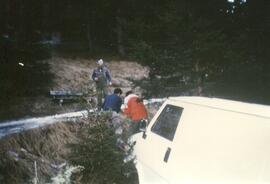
<point>229,105</point>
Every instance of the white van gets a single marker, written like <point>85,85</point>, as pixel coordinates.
<point>199,140</point>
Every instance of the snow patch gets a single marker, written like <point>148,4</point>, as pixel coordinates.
<point>11,127</point>
<point>64,177</point>
<point>16,126</point>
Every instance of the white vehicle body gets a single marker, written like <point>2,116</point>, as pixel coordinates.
<point>199,140</point>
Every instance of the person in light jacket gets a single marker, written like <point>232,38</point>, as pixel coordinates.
<point>101,75</point>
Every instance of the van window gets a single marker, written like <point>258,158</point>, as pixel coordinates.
<point>167,121</point>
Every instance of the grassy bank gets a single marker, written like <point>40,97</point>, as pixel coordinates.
<point>41,155</point>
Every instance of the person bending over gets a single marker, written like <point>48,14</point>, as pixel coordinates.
<point>113,102</point>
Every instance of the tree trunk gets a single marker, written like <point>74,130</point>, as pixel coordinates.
<point>21,24</point>
<point>89,24</point>
<point>5,15</point>
<point>199,79</point>
<point>88,29</point>
<point>119,32</point>
<point>89,38</point>
<point>45,17</point>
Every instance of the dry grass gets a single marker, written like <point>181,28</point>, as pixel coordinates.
<point>75,74</point>
<point>45,146</point>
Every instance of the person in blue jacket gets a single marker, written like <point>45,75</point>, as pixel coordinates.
<point>113,102</point>
<point>101,76</point>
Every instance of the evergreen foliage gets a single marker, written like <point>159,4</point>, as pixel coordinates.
<point>98,153</point>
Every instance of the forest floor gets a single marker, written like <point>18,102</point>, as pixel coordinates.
<point>75,75</point>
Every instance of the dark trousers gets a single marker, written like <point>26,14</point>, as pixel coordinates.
<point>101,93</point>
<point>134,127</point>
<point>137,126</point>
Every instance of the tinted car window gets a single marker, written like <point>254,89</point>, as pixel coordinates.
<point>167,121</point>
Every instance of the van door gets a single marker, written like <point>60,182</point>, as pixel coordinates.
<point>154,149</point>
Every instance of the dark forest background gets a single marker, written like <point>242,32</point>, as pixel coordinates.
<point>220,48</point>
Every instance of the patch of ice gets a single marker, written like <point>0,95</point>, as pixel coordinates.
<point>64,177</point>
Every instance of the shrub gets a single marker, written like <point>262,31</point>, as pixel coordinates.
<point>98,154</point>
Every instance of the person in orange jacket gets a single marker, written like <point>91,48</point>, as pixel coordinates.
<point>135,110</point>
